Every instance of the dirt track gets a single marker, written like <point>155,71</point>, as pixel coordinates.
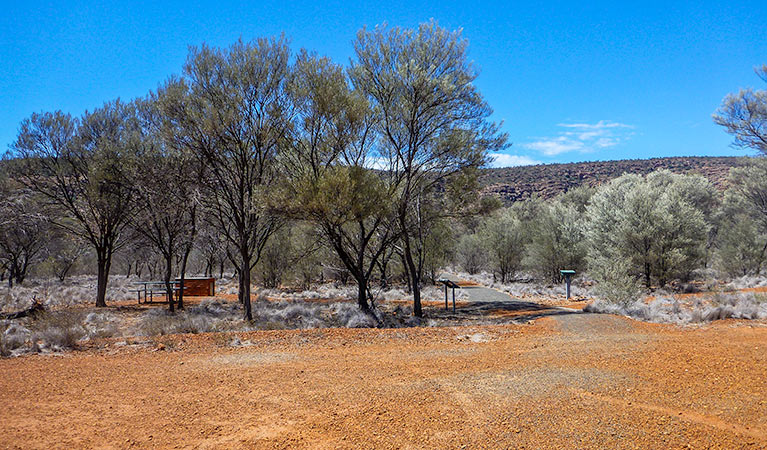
<point>571,380</point>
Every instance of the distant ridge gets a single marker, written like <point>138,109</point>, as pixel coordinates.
<point>512,184</point>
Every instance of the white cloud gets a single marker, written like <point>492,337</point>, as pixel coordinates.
<point>601,125</point>
<point>555,146</point>
<point>582,137</point>
<point>506,160</point>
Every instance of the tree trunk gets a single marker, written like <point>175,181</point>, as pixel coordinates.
<point>21,274</point>
<point>208,267</point>
<point>102,261</point>
<point>168,286</point>
<point>183,277</point>
<point>62,274</point>
<point>362,291</point>
<point>240,298</point>
<point>647,275</point>
<point>415,279</point>
<point>417,311</point>
<point>383,267</point>
<point>245,286</point>
<point>408,280</point>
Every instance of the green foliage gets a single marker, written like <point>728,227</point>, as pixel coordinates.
<point>744,115</point>
<point>650,228</point>
<point>310,261</point>
<point>83,169</point>
<point>748,190</point>
<point>432,120</point>
<point>276,259</point>
<point>577,197</point>
<point>555,232</point>
<point>438,248</point>
<point>425,71</point>
<point>342,195</point>
<point>555,240</point>
<point>742,244</point>
<point>615,283</point>
<point>741,248</point>
<point>471,253</point>
<point>504,239</point>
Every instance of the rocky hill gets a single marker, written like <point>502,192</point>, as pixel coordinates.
<point>511,184</point>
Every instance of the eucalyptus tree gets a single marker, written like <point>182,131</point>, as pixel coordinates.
<point>63,252</point>
<point>335,185</point>
<point>471,254</point>
<point>210,246</point>
<point>83,167</point>
<point>553,233</point>
<point>503,238</point>
<point>232,107</point>
<point>277,258</point>
<point>748,189</point>
<point>24,231</point>
<point>554,240</point>
<point>744,115</point>
<point>166,190</point>
<point>649,226</point>
<point>438,248</point>
<point>433,122</point>
<point>742,249</point>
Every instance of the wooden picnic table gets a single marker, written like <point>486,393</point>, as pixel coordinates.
<point>154,287</point>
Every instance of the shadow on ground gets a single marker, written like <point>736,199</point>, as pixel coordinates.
<point>506,311</point>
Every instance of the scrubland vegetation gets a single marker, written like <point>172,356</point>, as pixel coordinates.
<point>292,172</point>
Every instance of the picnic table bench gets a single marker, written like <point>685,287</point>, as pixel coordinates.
<point>150,288</point>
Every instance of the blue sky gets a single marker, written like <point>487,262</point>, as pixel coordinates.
<point>572,81</point>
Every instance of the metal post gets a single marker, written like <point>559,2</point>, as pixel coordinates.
<point>567,273</point>
<point>445,297</point>
<point>453,299</point>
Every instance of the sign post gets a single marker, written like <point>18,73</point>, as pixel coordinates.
<point>567,274</point>
<point>452,285</point>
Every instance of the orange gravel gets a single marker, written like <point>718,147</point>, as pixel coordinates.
<point>564,381</point>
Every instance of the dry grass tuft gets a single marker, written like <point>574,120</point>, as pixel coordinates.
<point>664,309</point>
<point>58,330</point>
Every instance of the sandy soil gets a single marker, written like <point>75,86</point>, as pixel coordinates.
<point>564,381</point>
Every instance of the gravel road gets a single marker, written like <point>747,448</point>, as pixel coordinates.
<point>479,293</point>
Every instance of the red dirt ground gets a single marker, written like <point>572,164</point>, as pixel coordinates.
<point>564,381</point>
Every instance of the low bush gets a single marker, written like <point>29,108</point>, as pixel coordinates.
<point>101,325</point>
<point>53,293</point>
<point>13,337</point>
<point>215,315</point>
<point>58,330</point>
<point>670,310</point>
